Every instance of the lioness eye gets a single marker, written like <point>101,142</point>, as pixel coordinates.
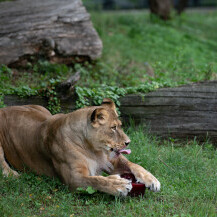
<point>114,128</point>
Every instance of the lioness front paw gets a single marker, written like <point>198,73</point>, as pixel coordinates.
<point>154,185</point>
<point>121,187</point>
<point>149,180</point>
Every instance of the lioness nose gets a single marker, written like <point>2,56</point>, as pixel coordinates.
<point>127,142</point>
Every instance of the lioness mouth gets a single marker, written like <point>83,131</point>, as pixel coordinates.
<point>121,151</point>
<point>124,151</point>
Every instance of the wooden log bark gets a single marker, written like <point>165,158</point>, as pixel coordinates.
<point>181,112</point>
<point>13,100</point>
<point>58,30</point>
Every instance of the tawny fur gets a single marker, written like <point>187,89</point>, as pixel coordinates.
<point>75,147</point>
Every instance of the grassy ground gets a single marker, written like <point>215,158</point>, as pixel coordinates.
<point>188,178</point>
<point>180,51</point>
<point>137,51</point>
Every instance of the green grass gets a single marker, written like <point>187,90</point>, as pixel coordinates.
<point>187,174</point>
<point>179,51</point>
<point>182,50</point>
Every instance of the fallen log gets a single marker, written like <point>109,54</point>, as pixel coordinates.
<point>180,112</point>
<point>57,30</point>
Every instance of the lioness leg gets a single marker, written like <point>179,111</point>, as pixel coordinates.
<point>113,184</point>
<point>122,165</point>
<point>79,176</point>
<point>6,170</point>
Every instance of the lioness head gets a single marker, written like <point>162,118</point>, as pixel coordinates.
<point>105,132</point>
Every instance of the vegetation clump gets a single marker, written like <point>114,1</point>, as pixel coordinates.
<point>140,55</point>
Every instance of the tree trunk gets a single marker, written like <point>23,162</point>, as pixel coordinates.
<point>161,8</point>
<point>57,30</point>
<point>181,5</point>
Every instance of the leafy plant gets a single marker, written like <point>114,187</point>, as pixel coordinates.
<point>87,96</point>
<point>2,101</point>
<point>88,190</point>
<point>51,94</point>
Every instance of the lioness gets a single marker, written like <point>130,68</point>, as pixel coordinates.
<point>75,147</point>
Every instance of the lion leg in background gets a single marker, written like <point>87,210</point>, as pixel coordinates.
<point>123,165</point>
<point>6,170</point>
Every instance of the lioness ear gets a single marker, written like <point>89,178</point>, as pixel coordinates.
<point>99,116</point>
<point>109,104</point>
